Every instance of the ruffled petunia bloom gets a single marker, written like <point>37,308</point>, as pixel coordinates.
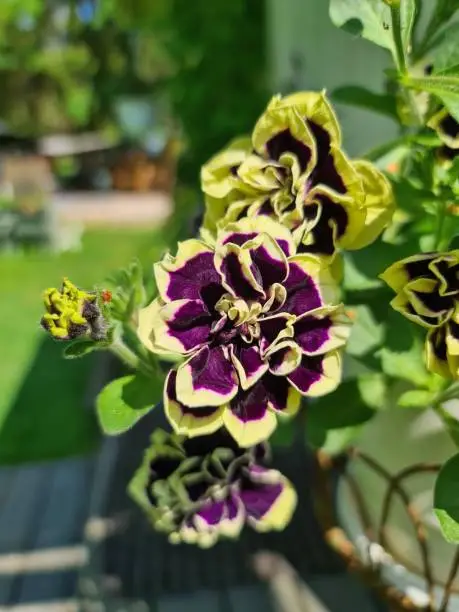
<point>258,326</point>
<point>427,287</point>
<point>72,313</point>
<point>294,170</point>
<point>198,490</point>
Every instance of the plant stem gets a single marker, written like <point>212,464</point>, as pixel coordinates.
<point>450,392</point>
<point>441,215</point>
<point>125,354</point>
<point>399,55</point>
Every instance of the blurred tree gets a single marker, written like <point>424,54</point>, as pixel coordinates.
<point>217,49</point>
<point>62,67</point>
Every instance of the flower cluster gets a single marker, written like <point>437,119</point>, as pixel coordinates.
<point>197,490</point>
<point>257,324</point>
<point>72,313</point>
<point>250,313</point>
<point>427,287</point>
<point>293,169</point>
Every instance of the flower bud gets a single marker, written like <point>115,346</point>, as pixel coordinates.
<point>72,313</point>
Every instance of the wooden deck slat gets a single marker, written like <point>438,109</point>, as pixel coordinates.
<point>38,588</point>
<point>199,601</point>
<point>29,487</point>
<point>63,520</point>
<point>7,474</point>
<point>28,492</point>
<point>250,599</point>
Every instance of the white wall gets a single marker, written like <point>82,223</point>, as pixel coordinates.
<point>329,58</point>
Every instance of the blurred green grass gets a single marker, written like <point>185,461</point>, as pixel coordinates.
<point>41,395</point>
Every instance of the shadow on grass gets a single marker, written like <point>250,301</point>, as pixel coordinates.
<point>49,417</point>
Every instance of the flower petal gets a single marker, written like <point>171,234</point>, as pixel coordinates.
<point>452,333</point>
<point>191,274</point>
<point>425,298</point>
<point>269,259</point>
<point>284,399</point>
<point>310,285</point>
<point>284,358</point>
<point>217,175</point>
<point>207,379</point>
<point>282,131</point>
<point>322,330</point>
<point>189,421</point>
<point>181,326</point>
<point>248,419</point>
<point>315,107</point>
<point>436,354</point>
<point>215,518</point>
<point>447,128</point>
<point>247,228</point>
<point>398,274</point>
<point>147,320</point>
<point>317,375</point>
<point>238,273</point>
<point>275,328</point>
<point>379,204</point>
<point>249,365</point>
<point>269,499</point>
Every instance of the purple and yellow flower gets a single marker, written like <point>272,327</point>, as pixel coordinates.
<point>294,170</point>
<point>257,325</point>
<point>427,287</point>
<point>72,313</point>
<point>199,490</point>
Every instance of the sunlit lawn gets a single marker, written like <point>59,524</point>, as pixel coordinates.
<point>42,414</point>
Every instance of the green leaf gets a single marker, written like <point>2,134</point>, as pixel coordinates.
<point>353,367</point>
<point>441,43</point>
<point>284,433</point>
<point>370,19</point>
<point>338,440</point>
<point>342,408</point>
<point>446,499</point>
<point>402,356</point>
<point>444,86</point>
<point>446,55</point>
<point>361,97</point>
<point>407,12</point>
<point>410,197</point>
<point>367,334</point>
<point>125,401</point>
<point>373,390</point>
<point>81,347</point>
<point>416,398</point>
<point>354,278</point>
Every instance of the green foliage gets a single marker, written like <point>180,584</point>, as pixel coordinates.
<point>80,348</point>
<point>284,434</point>
<point>444,86</point>
<point>446,500</point>
<point>125,401</point>
<point>366,334</point>
<point>384,104</point>
<point>129,292</point>
<point>333,421</point>
<point>367,18</point>
<point>218,89</point>
<point>416,399</point>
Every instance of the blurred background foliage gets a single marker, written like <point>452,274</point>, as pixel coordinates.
<point>65,65</point>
